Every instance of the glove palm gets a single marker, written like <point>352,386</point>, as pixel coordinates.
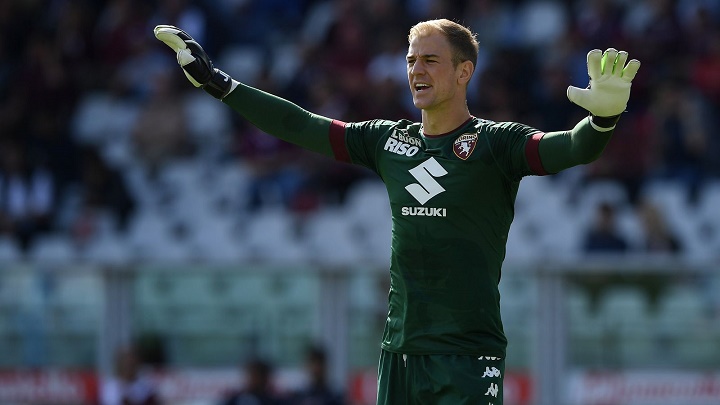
<point>610,82</point>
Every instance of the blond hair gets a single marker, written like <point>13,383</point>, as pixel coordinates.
<point>463,41</point>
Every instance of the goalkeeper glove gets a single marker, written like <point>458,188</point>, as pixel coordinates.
<point>195,62</point>
<point>609,91</point>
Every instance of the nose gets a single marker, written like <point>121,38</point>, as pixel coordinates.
<point>416,69</point>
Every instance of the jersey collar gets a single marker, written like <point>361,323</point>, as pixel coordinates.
<point>447,133</point>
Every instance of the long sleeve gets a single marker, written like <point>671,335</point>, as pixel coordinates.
<point>282,118</point>
<point>581,145</point>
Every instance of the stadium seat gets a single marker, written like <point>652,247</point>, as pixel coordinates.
<point>101,116</point>
<point>629,335</point>
<point>542,23</point>
<point>208,121</point>
<point>329,237</point>
<point>530,188</point>
<point>683,323</point>
<point>681,308</point>
<point>585,328</point>
<point>9,250</point>
<point>227,185</point>
<point>245,62</point>
<point>709,202</point>
<point>367,202</point>
<point>110,249</point>
<point>151,236</point>
<point>213,239</point>
<point>141,187</point>
<point>367,208</point>
<point>624,309</point>
<point>270,236</point>
<point>708,219</point>
<point>78,291</point>
<point>53,249</point>
<point>522,243</point>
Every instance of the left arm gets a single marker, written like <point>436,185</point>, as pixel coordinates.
<point>606,98</point>
<point>564,149</point>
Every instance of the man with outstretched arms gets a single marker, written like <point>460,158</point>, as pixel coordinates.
<point>452,181</point>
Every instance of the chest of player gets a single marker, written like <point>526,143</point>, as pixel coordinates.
<point>428,175</point>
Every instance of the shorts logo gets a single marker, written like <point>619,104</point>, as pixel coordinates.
<point>493,390</point>
<point>465,145</point>
<point>491,372</point>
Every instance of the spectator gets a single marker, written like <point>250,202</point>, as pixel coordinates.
<point>160,132</point>
<point>120,27</point>
<point>318,390</point>
<point>103,194</point>
<point>603,236</point>
<point>276,170</point>
<point>26,197</point>
<point>258,389</point>
<point>104,187</point>
<point>129,385</point>
<point>657,236</point>
<point>680,129</point>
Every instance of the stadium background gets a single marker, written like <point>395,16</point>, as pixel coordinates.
<point>136,209</point>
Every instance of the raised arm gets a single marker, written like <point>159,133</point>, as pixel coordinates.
<point>271,114</point>
<point>605,99</point>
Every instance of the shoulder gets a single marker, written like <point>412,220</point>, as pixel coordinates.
<point>381,124</point>
<point>504,127</point>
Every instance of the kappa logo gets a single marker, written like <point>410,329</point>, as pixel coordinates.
<point>491,372</point>
<point>493,390</point>
<point>465,145</point>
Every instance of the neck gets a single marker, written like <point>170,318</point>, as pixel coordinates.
<point>436,122</point>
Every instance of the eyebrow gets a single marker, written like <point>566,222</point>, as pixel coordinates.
<point>425,56</point>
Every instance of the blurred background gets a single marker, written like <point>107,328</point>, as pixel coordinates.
<point>154,245</point>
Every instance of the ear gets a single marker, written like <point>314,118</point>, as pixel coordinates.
<point>465,71</point>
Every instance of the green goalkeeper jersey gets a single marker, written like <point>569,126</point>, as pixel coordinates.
<point>452,199</point>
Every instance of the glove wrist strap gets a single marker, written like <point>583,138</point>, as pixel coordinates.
<point>219,85</point>
<point>604,124</point>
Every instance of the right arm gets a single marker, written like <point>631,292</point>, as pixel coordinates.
<point>271,114</point>
<point>282,118</point>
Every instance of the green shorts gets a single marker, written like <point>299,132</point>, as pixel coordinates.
<point>439,380</point>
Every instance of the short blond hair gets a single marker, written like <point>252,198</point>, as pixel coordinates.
<point>463,41</point>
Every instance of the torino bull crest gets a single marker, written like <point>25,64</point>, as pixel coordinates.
<point>465,145</point>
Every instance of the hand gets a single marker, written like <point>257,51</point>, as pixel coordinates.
<point>194,61</point>
<point>610,81</point>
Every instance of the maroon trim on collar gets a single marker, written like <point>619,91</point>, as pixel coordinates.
<point>532,154</point>
<point>448,133</point>
<point>337,141</point>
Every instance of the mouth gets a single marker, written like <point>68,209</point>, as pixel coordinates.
<point>420,87</point>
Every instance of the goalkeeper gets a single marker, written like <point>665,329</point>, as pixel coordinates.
<point>452,180</point>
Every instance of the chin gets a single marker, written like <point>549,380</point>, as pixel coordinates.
<point>420,104</point>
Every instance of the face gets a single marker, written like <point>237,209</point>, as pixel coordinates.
<point>434,81</point>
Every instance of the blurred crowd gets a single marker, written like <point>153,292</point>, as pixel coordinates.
<point>133,382</point>
<point>339,58</point>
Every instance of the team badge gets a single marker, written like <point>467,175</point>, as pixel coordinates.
<point>465,145</point>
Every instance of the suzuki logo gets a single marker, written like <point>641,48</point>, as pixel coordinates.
<point>426,187</point>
